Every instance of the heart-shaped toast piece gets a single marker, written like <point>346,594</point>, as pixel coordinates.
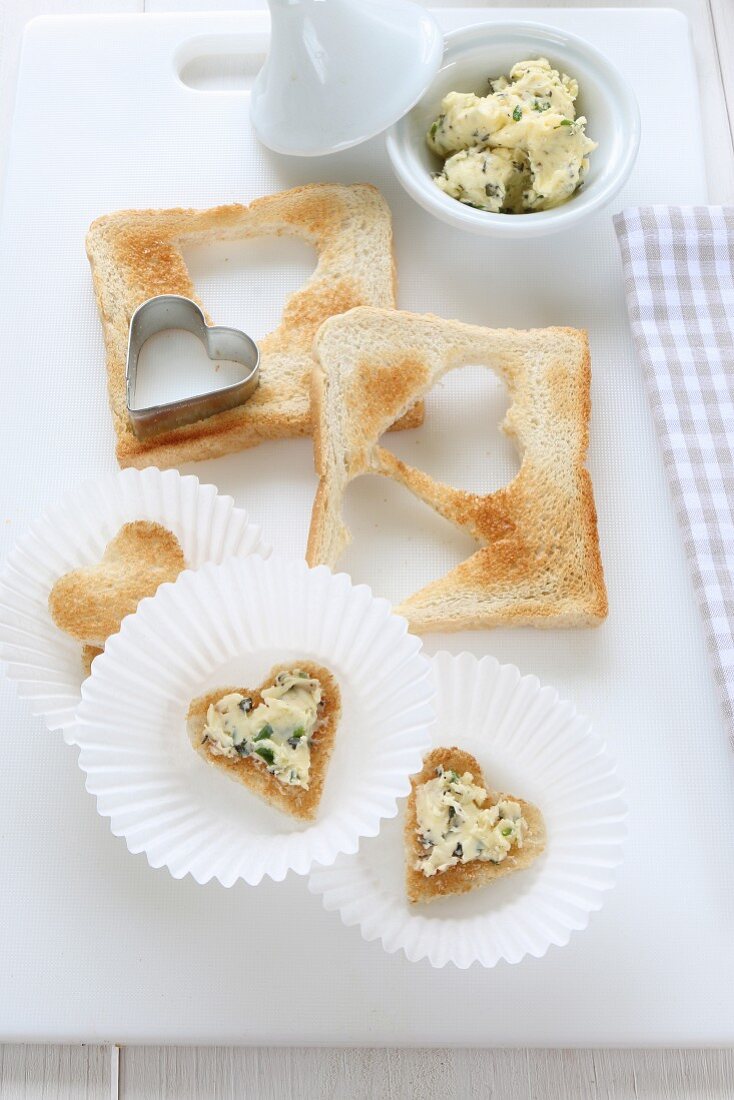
<point>276,739</point>
<point>449,803</point>
<point>90,603</point>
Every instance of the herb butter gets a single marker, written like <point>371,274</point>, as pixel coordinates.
<point>518,149</point>
<point>454,828</point>
<point>278,730</point>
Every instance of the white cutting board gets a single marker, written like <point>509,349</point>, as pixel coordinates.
<point>97,946</point>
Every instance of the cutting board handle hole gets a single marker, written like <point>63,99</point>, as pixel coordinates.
<point>218,64</point>
<point>223,72</point>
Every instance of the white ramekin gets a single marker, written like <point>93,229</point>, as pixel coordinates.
<point>474,54</point>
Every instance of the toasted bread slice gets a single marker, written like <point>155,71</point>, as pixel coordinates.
<point>538,561</point>
<point>136,254</point>
<point>463,877</point>
<point>90,603</point>
<point>251,771</point>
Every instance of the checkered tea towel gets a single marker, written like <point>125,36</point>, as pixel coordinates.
<point>679,282</point>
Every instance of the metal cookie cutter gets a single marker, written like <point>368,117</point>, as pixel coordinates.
<point>171,311</point>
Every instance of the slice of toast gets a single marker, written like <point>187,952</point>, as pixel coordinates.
<point>538,561</point>
<point>251,771</point>
<point>463,877</point>
<point>136,255</point>
<point>90,603</point>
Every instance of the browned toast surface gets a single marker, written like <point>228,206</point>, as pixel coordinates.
<point>137,254</point>
<point>537,560</point>
<point>90,603</point>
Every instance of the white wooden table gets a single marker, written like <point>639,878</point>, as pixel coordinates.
<point>183,1073</point>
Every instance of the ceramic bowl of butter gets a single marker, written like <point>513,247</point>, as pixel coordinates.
<point>526,131</point>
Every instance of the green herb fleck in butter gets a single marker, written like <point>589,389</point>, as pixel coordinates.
<point>453,828</point>
<point>279,730</point>
<point>504,158</point>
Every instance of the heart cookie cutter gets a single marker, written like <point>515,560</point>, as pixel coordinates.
<point>172,311</point>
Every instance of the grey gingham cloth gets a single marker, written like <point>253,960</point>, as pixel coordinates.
<point>679,281</point>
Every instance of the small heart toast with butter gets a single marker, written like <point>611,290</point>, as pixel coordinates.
<point>90,603</point>
<point>458,834</point>
<point>276,739</point>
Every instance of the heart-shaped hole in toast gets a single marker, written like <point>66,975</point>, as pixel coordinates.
<point>249,280</point>
<point>461,441</point>
<point>460,444</point>
<point>276,739</point>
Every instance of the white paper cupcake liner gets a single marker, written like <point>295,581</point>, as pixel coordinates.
<point>45,662</point>
<point>229,625</point>
<point>531,744</point>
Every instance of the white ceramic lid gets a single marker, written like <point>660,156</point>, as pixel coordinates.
<point>340,71</point>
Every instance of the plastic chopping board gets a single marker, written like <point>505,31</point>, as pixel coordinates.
<point>96,945</point>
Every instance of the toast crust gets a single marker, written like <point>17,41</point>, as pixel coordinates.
<point>90,603</point>
<point>250,770</point>
<point>463,877</point>
<point>538,561</point>
<point>136,255</point>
